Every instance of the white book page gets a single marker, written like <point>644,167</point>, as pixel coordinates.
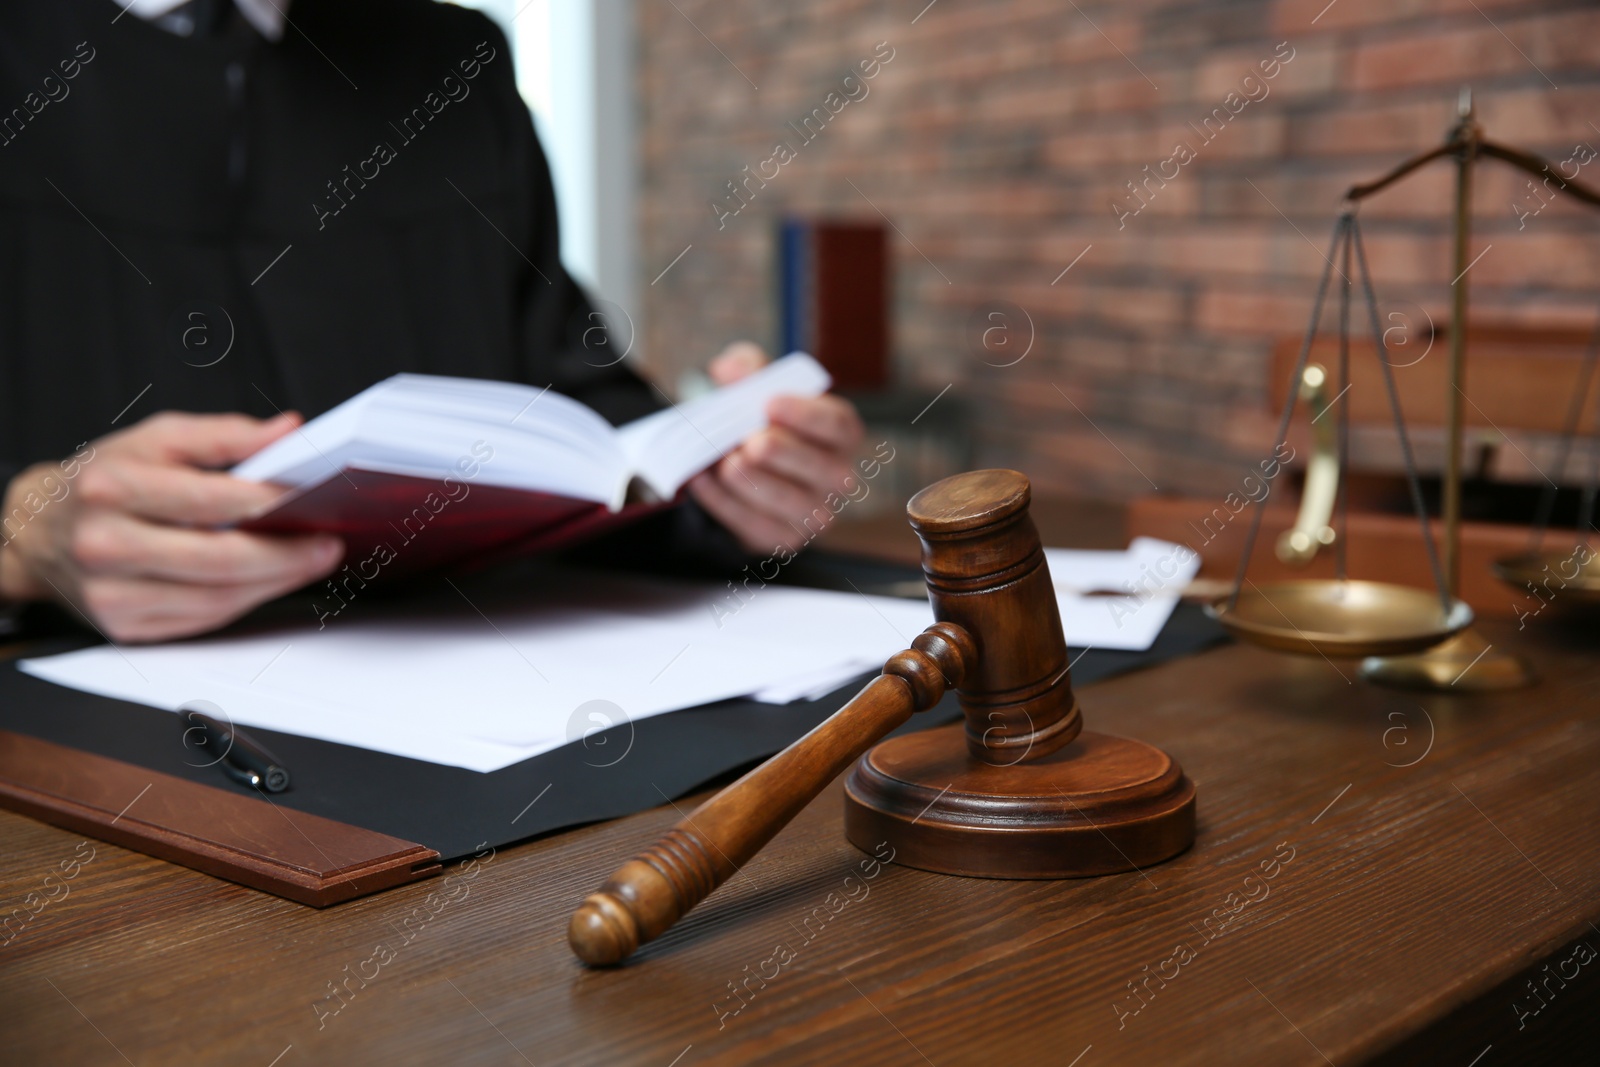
<point>668,448</point>
<point>422,425</point>
<point>301,458</point>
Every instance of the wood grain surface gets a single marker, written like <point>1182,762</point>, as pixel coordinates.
<point>1376,877</point>
<point>1373,900</point>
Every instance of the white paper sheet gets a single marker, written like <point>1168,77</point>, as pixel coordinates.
<point>484,685</point>
<point>1154,574</point>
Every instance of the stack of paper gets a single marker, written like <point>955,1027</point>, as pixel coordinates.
<point>482,689</point>
<point>484,684</point>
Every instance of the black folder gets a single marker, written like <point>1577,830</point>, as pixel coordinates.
<point>456,812</point>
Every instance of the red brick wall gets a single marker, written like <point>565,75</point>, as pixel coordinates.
<point>998,137</point>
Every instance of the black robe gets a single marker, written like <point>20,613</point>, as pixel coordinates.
<point>364,197</point>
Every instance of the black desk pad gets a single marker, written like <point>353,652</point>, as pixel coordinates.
<point>627,768</point>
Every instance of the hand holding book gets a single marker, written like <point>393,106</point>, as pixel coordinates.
<point>765,489</point>
<point>124,532</point>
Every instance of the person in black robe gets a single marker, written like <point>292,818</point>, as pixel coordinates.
<point>198,218</point>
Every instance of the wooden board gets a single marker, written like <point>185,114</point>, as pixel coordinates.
<point>254,842</point>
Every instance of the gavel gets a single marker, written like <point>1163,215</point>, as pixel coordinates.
<point>1019,790</point>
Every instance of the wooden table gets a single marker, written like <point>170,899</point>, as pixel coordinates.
<point>1379,873</point>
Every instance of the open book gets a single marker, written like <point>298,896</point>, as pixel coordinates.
<point>430,469</point>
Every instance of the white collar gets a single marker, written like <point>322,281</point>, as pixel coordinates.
<point>267,16</point>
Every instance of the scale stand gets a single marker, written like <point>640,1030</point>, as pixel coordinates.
<point>1466,661</point>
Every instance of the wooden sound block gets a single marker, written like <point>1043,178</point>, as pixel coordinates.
<point>1101,805</point>
<point>249,840</point>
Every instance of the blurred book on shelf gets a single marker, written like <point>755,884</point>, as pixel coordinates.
<point>833,298</point>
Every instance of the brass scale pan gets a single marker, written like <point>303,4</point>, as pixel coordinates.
<point>1342,616</point>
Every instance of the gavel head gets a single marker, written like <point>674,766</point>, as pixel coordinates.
<point>986,573</point>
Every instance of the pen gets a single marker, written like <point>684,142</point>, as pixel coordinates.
<point>242,759</point>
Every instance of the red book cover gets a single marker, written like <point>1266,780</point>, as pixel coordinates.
<point>403,524</point>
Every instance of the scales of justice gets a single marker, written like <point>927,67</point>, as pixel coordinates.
<point>1409,637</point>
<point>1019,789</point>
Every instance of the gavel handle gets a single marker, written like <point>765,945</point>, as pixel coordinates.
<point>650,892</point>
